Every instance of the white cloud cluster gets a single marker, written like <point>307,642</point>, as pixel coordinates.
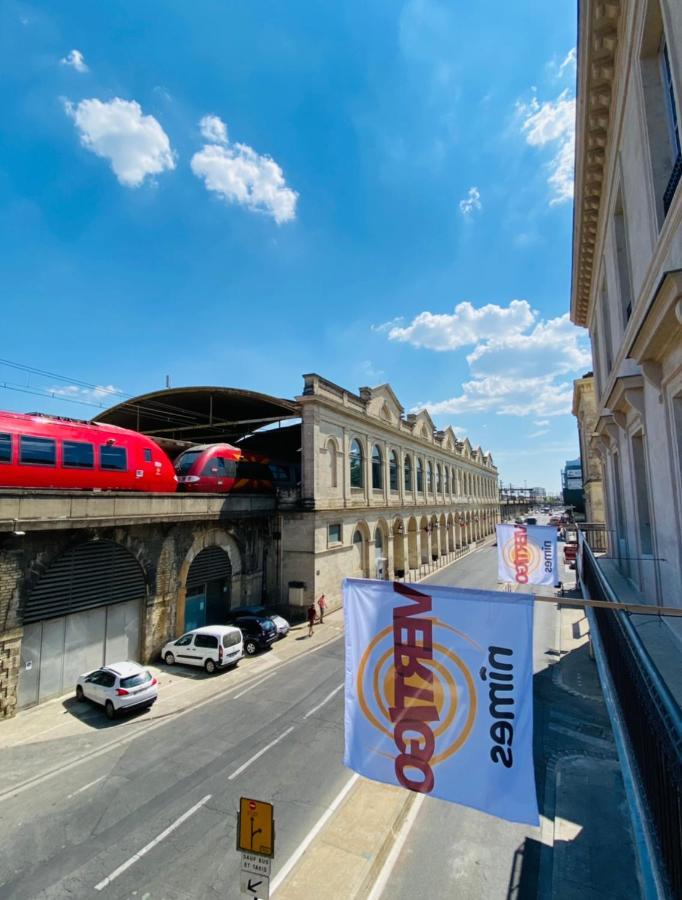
<point>471,202</point>
<point>466,325</point>
<point>75,60</point>
<point>240,175</point>
<point>553,122</point>
<point>569,62</point>
<point>99,394</point>
<point>518,364</point>
<point>116,130</point>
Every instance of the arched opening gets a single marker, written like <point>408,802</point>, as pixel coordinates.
<point>393,471</point>
<point>357,479</point>
<point>412,544</point>
<point>433,525</point>
<point>398,549</point>
<point>359,554</point>
<point>84,611</point>
<point>451,533</point>
<point>209,588</point>
<point>443,535</point>
<point>439,480</point>
<point>429,477</point>
<point>377,469</point>
<point>380,566</point>
<point>408,473</point>
<point>424,540</point>
<point>447,481</point>
<point>420,476</point>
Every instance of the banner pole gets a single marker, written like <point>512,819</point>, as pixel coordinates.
<point>639,608</point>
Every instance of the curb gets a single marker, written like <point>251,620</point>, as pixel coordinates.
<point>386,846</point>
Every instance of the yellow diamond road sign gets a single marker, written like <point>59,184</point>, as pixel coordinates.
<point>256,831</point>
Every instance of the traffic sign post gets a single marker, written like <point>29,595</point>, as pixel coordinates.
<point>256,827</point>
<point>256,841</point>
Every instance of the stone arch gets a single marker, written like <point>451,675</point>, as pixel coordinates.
<point>361,541</point>
<point>443,535</point>
<point>412,543</point>
<point>425,549</point>
<point>356,462</point>
<point>212,538</point>
<point>398,533</point>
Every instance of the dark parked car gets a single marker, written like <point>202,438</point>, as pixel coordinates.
<point>258,632</point>
<point>281,623</point>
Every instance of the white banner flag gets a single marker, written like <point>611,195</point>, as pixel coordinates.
<point>527,554</point>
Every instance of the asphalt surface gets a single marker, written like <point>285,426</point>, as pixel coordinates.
<point>68,834</point>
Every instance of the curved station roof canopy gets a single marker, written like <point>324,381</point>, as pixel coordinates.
<point>199,415</point>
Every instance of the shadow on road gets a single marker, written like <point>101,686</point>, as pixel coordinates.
<point>93,715</point>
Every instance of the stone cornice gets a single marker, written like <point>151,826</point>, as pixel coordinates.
<point>598,33</point>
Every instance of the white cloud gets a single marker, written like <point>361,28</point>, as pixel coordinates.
<point>569,62</point>
<point>467,325</point>
<point>213,129</point>
<point>507,396</point>
<point>518,365</point>
<point>537,434</point>
<point>240,175</point>
<point>75,59</point>
<point>471,202</point>
<point>101,394</point>
<point>553,123</point>
<point>135,144</point>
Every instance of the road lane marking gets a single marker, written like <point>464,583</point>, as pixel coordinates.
<point>259,754</point>
<point>312,834</point>
<point>326,700</point>
<point>9,793</point>
<point>150,846</point>
<point>86,786</point>
<point>387,869</point>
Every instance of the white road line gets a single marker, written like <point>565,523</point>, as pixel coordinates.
<point>259,754</point>
<point>381,882</point>
<point>326,700</point>
<point>9,793</point>
<point>86,786</point>
<point>312,834</point>
<point>150,846</point>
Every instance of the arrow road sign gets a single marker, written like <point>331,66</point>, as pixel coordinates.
<point>256,829</point>
<point>255,885</point>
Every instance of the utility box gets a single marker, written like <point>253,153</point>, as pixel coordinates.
<point>296,593</point>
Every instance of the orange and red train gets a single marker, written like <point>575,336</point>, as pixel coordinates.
<point>56,453</point>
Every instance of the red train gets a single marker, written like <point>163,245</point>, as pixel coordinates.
<point>38,451</point>
<point>222,469</point>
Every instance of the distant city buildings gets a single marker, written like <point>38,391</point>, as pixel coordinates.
<point>572,485</point>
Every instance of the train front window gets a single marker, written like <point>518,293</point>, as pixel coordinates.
<point>36,451</point>
<point>78,455</point>
<point>5,448</point>
<point>214,467</point>
<point>113,459</point>
<point>186,460</point>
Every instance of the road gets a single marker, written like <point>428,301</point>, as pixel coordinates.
<point>67,835</point>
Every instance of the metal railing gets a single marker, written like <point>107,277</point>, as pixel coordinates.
<point>675,176</point>
<point>596,535</point>
<point>652,720</point>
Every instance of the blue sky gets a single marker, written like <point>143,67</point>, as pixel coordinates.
<point>238,193</point>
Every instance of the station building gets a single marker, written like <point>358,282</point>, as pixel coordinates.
<point>361,490</point>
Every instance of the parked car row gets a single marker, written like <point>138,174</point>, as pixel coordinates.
<point>127,686</point>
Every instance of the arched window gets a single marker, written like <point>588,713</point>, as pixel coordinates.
<point>439,479</point>
<point>408,473</point>
<point>447,481</point>
<point>356,466</point>
<point>393,471</point>
<point>420,476</point>
<point>377,469</point>
<point>429,478</point>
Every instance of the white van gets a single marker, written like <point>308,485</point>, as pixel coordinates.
<point>213,647</point>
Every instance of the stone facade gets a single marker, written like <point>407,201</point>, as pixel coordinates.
<point>382,494</point>
<point>627,276</point>
<point>585,411</point>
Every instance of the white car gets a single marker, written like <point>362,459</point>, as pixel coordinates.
<point>213,647</point>
<point>118,686</point>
